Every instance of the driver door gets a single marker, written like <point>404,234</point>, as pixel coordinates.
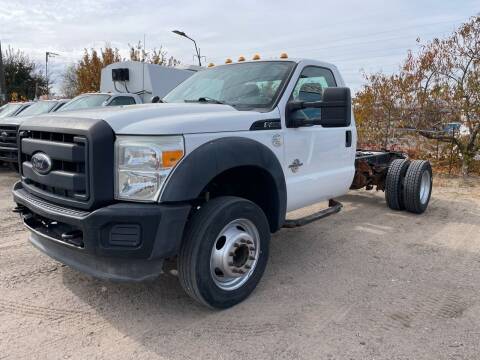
<point>319,161</point>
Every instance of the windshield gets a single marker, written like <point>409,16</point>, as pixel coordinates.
<point>10,109</point>
<point>85,102</point>
<point>38,108</point>
<point>245,86</point>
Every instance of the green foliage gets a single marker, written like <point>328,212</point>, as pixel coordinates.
<point>21,76</point>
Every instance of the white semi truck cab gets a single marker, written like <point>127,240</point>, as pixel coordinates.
<point>204,177</point>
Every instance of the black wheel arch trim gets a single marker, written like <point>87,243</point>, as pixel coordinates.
<point>207,161</point>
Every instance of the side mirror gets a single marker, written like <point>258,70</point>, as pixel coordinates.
<point>336,109</point>
<point>155,99</point>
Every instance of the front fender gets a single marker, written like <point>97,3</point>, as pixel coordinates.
<point>202,165</point>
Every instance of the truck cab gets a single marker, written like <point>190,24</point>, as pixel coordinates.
<point>202,178</point>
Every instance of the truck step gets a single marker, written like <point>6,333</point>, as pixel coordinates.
<point>333,208</point>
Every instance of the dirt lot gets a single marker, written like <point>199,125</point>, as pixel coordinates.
<point>368,283</point>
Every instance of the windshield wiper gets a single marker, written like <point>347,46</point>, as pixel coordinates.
<point>206,99</point>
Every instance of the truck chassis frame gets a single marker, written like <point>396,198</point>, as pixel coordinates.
<point>371,167</point>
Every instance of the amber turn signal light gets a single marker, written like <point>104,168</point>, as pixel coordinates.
<point>170,158</point>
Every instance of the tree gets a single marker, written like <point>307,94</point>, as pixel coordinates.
<point>376,109</point>
<point>85,75</point>
<point>88,70</point>
<point>438,85</point>
<point>159,56</point>
<point>69,86</point>
<point>444,81</point>
<point>22,79</point>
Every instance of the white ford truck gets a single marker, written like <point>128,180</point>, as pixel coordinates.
<point>202,178</point>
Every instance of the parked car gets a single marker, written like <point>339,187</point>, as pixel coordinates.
<point>9,124</point>
<point>9,127</point>
<point>203,178</point>
<point>43,107</point>
<point>92,100</point>
<point>14,109</point>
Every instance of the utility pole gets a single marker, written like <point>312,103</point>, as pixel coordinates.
<point>3,90</point>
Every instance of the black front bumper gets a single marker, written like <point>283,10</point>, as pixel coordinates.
<point>123,241</point>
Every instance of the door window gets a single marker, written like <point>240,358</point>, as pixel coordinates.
<point>310,87</point>
<point>122,100</point>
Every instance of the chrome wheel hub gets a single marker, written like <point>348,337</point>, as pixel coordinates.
<point>425,185</point>
<point>235,254</point>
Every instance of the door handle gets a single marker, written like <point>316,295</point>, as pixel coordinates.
<point>348,138</point>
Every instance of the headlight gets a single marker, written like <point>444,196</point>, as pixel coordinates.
<point>143,163</point>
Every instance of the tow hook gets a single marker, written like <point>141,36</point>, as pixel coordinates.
<point>19,209</point>
<point>73,237</point>
<point>23,212</point>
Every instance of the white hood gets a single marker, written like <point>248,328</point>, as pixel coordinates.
<point>13,120</point>
<point>178,118</point>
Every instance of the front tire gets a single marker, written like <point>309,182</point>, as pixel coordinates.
<point>224,252</point>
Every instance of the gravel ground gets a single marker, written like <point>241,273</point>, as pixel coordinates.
<point>367,283</point>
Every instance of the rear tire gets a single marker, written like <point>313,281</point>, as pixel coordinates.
<point>417,186</point>
<point>224,251</point>
<point>394,183</point>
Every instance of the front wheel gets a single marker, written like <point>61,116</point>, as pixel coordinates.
<point>224,252</point>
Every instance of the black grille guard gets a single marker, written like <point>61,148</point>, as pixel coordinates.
<point>82,154</point>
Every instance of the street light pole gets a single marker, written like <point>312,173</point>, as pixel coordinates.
<point>48,54</point>
<point>197,50</point>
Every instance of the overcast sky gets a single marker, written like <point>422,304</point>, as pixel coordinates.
<point>357,36</point>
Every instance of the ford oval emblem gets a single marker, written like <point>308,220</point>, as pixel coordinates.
<point>41,163</point>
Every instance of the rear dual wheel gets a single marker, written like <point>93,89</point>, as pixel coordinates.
<point>409,185</point>
<point>394,183</point>
<point>417,186</point>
